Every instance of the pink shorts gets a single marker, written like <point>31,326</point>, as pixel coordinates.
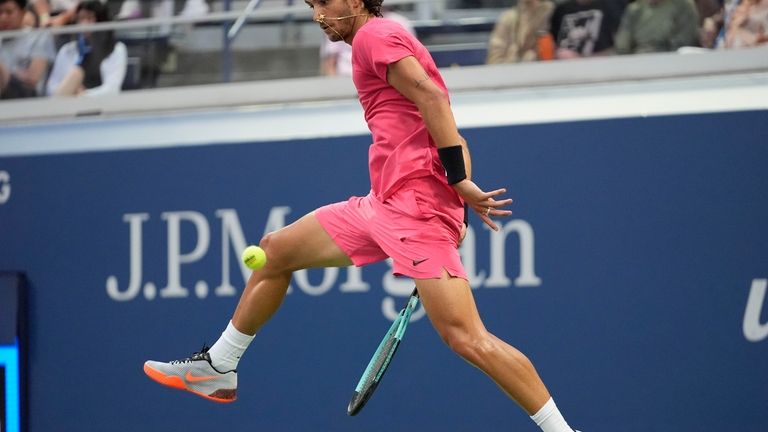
<point>418,227</point>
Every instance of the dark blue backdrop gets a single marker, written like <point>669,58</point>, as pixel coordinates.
<point>648,235</point>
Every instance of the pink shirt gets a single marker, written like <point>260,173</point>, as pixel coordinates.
<point>402,148</point>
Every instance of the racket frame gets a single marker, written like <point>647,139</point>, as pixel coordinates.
<point>393,335</point>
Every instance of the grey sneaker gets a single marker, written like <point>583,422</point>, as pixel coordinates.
<point>197,375</point>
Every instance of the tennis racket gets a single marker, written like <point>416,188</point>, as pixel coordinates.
<point>382,357</point>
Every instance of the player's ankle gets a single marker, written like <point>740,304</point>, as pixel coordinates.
<point>226,352</point>
<point>549,418</point>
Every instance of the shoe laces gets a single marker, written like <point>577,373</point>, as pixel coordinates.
<point>200,355</point>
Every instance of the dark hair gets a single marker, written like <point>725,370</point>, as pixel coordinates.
<point>96,7</point>
<point>31,10</point>
<point>21,3</point>
<point>373,6</point>
<point>102,44</point>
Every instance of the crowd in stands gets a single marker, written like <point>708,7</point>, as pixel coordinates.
<point>585,28</point>
<point>35,63</point>
<point>93,64</point>
<point>90,63</point>
<point>535,30</point>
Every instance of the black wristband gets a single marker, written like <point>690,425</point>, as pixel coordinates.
<point>466,214</point>
<point>453,161</point>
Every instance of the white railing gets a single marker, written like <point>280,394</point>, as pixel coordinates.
<point>300,11</point>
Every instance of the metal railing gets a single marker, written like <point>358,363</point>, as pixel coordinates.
<point>231,22</point>
<point>227,17</point>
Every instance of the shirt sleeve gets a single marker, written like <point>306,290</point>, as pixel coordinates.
<point>43,47</point>
<point>112,72</point>
<point>64,62</point>
<point>376,52</point>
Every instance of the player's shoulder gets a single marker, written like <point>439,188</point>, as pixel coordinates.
<point>381,27</point>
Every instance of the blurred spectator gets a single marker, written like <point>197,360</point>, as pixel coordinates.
<point>711,19</point>
<point>708,8</point>
<point>55,12</point>
<point>336,57</point>
<point>472,4</point>
<point>516,34</point>
<point>24,59</point>
<point>749,25</point>
<point>583,28</point>
<point>162,8</point>
<point>657,26</point>
<point>31,18</point>
<point>151,46</point>
<point>92,65</point>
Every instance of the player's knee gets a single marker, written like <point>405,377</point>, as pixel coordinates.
<point>473,347</point>
<point>276,254</point>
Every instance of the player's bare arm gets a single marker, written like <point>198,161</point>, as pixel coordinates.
<point>412,81</point>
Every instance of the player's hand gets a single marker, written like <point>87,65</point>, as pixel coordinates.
<point>462,234</point>
<point>484,203</point>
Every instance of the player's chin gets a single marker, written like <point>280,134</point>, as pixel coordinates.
<point>332,35</point>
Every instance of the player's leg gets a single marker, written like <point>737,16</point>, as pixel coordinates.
<point>211,373</point>
<point>303,244</point>
<point>451,308</point>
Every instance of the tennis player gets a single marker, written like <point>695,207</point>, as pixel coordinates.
<point>421,178</point>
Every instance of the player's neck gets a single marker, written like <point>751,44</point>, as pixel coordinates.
<point>359,23</point>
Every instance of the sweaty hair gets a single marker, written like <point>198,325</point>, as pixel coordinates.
<point>373,6</point>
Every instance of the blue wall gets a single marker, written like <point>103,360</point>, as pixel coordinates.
<point>648,235</point>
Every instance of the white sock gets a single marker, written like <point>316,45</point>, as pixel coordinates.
<point>549,418</point>
<point>226,352</point>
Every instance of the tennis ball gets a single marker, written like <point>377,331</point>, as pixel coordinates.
<point>254,257</point>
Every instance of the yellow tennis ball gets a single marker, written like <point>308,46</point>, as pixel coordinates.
<point>254,257</point>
